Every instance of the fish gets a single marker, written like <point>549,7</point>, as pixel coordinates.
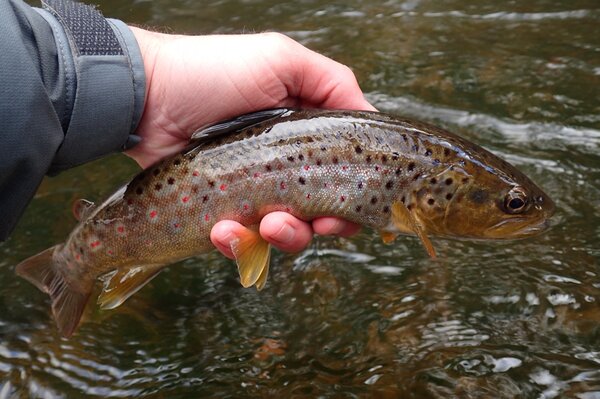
<point>391,174</point>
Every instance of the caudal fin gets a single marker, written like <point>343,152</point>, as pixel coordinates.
<point>68,300</point>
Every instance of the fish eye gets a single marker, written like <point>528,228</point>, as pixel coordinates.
<point>515,201</point>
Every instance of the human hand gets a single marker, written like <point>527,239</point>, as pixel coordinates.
<point>195,81</point>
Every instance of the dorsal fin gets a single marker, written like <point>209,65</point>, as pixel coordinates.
<point>82,208</point>
<point>236,124</point>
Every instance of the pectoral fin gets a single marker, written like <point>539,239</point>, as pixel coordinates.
<point>82,208</point>
<point>123,283</point>
<point>387,237</point>
<point>252,255</point>
<point>401,217</point>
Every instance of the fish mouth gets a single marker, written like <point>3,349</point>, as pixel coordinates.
<point>517,228</point>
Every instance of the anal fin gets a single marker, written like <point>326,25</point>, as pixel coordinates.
<point>252,255</point>
<point>120,284</point>
<point>401,216</point>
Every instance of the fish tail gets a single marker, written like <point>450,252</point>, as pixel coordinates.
<point>68,298</point>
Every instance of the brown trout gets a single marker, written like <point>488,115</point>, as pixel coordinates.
<point>393,175</point>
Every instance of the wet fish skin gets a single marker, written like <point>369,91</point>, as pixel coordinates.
<point>390,174</point>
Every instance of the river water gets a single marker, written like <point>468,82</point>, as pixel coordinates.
<point>356,318</point>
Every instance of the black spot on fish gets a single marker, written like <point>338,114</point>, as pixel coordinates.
<point>409,207</point>
<point>171,180</point>
<point>433,180</point>
<point>404,137</point>
<point>389,185</point>
<point>403,199</point>
<point>358,149</point>
<point>177,161</point>
<point>373,200</point>
<point>335,160</point>
<point>416,176</point>
<point>360,185</point>
<point>323,148</point>
<point>398,171</point>
<point>139,191</point>
<point>386,209</point>
<point>290,158</point>
<point>158,186</point>
<point>368,159</point>
<point>449,196</point>
<point>318,162</point>
<point>465,179</point>
<point>205,198</point>
<point>479,196</point>
<point>156,172</point>
<point>428,152</point>
<point>411,166</point>
<point>301,157</point>
<point>449,181</point>
<point>358,208</point>
<point>383,159</point>
<point>431,201</point>
<point>446,152</point>
<point>302,180</point>
<point>211,184</point>
<point>395,156</point>
<point>268,168</point>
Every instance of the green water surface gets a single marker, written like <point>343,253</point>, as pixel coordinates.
<point>356,318</point>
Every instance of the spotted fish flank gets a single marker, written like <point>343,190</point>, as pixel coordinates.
<point>393,175</point>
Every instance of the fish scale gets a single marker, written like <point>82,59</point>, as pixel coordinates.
<point>390,174</point>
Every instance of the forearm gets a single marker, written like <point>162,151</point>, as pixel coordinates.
<point>61,104</point>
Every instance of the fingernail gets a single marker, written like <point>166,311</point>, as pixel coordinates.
<point>286,234</point>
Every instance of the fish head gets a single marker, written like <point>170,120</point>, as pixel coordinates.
<point>482,201</point>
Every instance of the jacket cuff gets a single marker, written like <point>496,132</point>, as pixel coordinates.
<point>105,84</point>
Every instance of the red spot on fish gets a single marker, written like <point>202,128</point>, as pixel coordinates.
<point>195,173</point>
<point>280,167</point>
<point>95,244</point>
<point>288,210</point>
<point>344,167</point>
<point>307,196</point>
<point>129,201</point>
<point>256,175</point>
<point>246,207</point>
<point>206,217</point>
<point>176,225</point>
<point>185,199</point>
<point>306,167</point>
<point>282,185</point>
<point>223,187</point>
<point>120,229</point>
<point>77,257</point>
<point>342,198</point>
<point>109,252</point>
<point>153,214</point>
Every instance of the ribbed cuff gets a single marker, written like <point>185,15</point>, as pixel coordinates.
<point>104,94</point>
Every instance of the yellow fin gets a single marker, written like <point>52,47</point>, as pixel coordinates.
<point>401,216</point>
<point>123,283</point>
<point>252,255</point>
<point>387,236</point>
<point>82,208</point>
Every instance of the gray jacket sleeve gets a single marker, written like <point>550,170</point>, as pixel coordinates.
<point>59,106</point>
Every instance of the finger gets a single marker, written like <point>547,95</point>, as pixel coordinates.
<point>223,233</point>
<point>322,82</point>
<point>285,232</point>
<point>335,226</point>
